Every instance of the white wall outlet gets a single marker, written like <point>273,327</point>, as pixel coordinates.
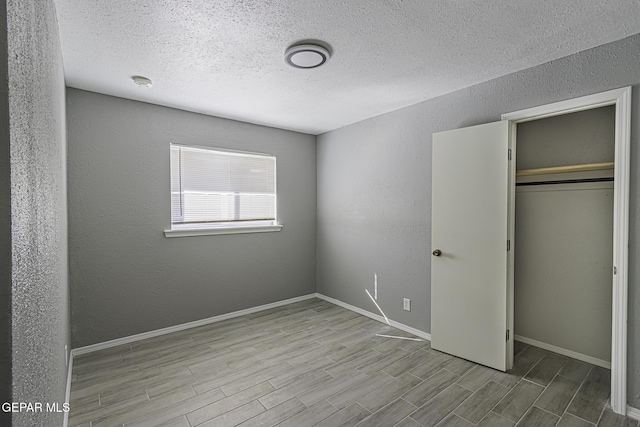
<point>406,304</point>
<point>66,355</point>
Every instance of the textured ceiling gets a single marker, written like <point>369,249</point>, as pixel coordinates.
<point>225,57</point>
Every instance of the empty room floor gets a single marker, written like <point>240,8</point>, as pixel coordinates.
<point>313,363</point>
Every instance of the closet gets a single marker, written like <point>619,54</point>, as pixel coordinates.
<point>564,234</point>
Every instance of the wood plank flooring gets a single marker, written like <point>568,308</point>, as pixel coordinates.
<point>316,364</point>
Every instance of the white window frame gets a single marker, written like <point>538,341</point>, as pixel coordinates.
<point>227,227</point>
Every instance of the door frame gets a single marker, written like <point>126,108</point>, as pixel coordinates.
<point>621,98</point>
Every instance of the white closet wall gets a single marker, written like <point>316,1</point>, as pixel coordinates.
<point>577,138</point>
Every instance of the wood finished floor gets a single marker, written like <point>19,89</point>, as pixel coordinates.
<point>316,364</point>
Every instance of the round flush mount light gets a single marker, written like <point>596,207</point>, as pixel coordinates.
<point>142,81</point>
<point>306,56</point>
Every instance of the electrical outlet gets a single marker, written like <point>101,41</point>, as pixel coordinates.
<point>407,304</point>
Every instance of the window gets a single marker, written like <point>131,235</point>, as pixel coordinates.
<point>215,191</point>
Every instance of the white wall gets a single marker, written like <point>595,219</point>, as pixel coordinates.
<point>568,139</point>
<point>563,258</point>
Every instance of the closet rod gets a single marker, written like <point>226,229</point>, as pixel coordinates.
<point>565,181</point>
<point>570,168</point>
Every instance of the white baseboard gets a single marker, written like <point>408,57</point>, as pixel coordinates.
<point>377,317</point>
<point>67,396</point>
<point>564,352</point>
<point>633,412</point>
<point>158,332</point>
<point>183,326</point>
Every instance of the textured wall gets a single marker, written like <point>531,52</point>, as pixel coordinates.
<point>5,224</point>
<point>374,184</point>
<point>126,276</point>
<point>40,320</point>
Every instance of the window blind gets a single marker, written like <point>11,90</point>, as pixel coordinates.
<point>212,187</point>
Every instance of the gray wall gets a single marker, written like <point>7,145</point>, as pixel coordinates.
<point>126,276</point>
<point>374,184</point>
<point>40,315</point>
<point>5,224</point>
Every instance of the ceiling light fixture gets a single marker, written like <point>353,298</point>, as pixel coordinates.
<point>306,56</point>
<point>142,81</point>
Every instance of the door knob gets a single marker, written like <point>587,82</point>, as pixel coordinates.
<point>437,252</point>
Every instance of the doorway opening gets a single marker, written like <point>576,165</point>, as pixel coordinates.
<point>620,100</point>
<point>564,234</point>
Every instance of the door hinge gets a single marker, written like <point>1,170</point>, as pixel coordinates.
<point>509,153</point>
<point>507,335</point>
<point>508,245</point>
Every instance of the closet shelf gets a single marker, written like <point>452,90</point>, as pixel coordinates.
<point>570,168</point>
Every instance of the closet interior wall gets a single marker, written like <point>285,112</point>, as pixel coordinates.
<point>564,235</point>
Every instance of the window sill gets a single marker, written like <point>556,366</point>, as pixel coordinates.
<point>186,232</point>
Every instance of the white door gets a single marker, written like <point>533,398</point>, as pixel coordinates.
<point>469,277</point>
